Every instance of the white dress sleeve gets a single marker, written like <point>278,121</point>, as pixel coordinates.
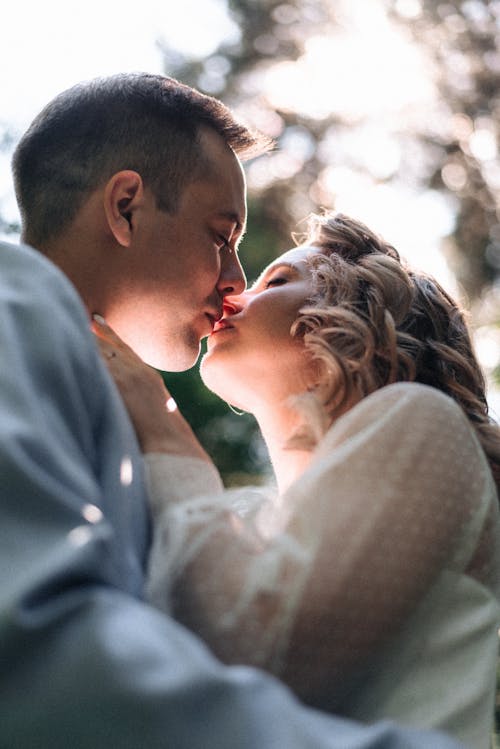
<point>312,584</point>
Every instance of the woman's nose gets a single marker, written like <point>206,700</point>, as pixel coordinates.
<point>233,304</point>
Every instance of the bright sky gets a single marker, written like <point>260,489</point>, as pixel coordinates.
<point>45,47</point>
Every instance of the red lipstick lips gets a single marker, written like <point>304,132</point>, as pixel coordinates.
<point>222,324</point>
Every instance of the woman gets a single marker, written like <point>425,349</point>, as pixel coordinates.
<point>370,582</point>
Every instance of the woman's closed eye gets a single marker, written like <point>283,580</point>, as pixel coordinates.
<point>275,281</point>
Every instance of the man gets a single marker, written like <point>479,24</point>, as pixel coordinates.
<point>132,186</point>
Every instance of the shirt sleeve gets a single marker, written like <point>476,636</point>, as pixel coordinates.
<point>84,662</point>
<point>313,584</point>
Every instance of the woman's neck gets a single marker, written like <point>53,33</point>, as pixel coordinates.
<point>277,425</point>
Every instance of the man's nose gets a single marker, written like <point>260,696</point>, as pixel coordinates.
<point>232,279</point>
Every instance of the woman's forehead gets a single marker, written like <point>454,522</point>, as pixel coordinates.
<point>296,254</point>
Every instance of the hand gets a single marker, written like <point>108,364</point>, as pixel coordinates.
<point>159,425</point>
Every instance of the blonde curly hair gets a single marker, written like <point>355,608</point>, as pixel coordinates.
<point>372,321</point>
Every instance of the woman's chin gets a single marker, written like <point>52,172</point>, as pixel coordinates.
<point>208,367</point>
<point>213,375</point>
<point>217,378</point>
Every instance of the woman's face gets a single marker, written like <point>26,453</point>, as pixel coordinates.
<point>251,354</point>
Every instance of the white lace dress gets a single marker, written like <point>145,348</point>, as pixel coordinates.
<point>371,586</point>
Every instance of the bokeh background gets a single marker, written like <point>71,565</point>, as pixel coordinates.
<point>385,109</point>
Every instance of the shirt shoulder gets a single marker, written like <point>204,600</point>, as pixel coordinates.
<point>28,275</point>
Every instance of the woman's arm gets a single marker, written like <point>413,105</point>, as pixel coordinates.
<point>312,588</point>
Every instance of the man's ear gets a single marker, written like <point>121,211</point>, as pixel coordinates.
<point>123,194</point>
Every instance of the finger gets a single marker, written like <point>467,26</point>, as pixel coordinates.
<point>105,332</point>
<point>99,326</point>
<point>102,329</point>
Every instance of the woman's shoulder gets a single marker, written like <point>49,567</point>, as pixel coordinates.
<point>410,400</point>
<point>410,394</point>
<point>413,411</point>
<point>413,439</point>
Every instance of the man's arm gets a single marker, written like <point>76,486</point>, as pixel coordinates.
<point>84,663</point>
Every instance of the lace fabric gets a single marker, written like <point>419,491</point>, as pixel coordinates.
<point>217,565</point>
<point>313,584</point>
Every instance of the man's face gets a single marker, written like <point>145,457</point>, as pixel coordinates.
<point>182,265</point>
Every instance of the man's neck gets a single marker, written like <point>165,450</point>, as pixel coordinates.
<point>78,260</point>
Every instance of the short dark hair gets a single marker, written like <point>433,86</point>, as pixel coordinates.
<point>139,121</point>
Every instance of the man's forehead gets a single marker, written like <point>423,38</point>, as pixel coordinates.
<point>220,192</point>
<point>296,254</point>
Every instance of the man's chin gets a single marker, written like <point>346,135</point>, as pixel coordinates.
<point>176,359</point>
<point>168,351</point>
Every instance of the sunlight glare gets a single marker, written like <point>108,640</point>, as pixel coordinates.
<point>369,146</point>
<point>454,176</point>
<point>80,536</point>
<point>92,513</point>
<point>409,8</point>
<point>414,222</point>
<point>352,72</point>
<point>126,471</point>
<point>483,144</point>
<point>94,39</point>
<point>487,345</point>
<point>196,39</point>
